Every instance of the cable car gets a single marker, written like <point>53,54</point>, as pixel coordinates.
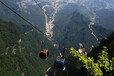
<point>44,53</point>
<point>60,61</point>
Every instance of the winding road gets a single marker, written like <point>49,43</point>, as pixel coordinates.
<point>91,24</point>
<point>49,21</point>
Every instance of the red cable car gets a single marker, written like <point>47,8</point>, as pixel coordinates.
<point>44,53</point>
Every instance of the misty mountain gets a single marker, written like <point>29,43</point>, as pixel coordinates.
<point>103,10</point>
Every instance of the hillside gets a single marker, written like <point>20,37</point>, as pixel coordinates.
<point>9,49</point>
<point>106,17</point>
<point>19,52</point>
<point>30,12</point>
<point>76,28</point>
<point>27,61</point>
<point>75,67</point>
<point>108,42</point>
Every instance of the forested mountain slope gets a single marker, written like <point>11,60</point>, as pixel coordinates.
<point>108,42</point>
<point>19,52</point>
<point>73,28</point>
<point>30,12</point>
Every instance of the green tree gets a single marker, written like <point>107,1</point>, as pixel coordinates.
<point>95,69</point>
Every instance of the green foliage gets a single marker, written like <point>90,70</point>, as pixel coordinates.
<point>9,36</point>
<point>2,45</point>
<point>9,33</point>
<point>104,61</point>
<point>26,57</point>
<point>92,67</point>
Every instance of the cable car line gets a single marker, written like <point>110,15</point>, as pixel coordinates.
<point>60,61</point>
<point>41,7</point>
<point>44,53</point>
<point>22,17</point>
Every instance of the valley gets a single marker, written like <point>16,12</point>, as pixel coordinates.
<point>65,23</point>
<point>92,24</point>
<point>92,32</point>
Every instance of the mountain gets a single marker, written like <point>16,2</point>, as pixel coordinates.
<point>28,10</point>
<point>71,22</point>
<point>108,42</point>
<point>76,28</point>
<point>19,53</point>
<point>103,10</point>
<point>105,17</point>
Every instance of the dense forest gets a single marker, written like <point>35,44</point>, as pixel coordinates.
<point>19,52</point>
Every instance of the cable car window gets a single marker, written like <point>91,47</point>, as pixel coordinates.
<point>43,55</point>
<point>58,65</point>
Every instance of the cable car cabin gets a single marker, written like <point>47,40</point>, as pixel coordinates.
<point>59,63</point>
<point>44,54</point>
